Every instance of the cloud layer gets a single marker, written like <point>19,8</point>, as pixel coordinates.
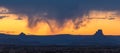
<point>59,10</point>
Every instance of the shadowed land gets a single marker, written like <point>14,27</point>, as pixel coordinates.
<point>98,39</point>
<point>63,43</point>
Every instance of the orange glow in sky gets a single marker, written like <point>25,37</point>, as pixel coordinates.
<point>91,23</point>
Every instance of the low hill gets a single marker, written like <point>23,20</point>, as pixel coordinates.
<point>98,39</point>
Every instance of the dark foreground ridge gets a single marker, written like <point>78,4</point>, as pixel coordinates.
<point>64,43</point>
<point>98,39</point>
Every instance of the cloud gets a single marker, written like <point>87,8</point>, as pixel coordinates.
<point>60,10</point>
<point>1,17</point>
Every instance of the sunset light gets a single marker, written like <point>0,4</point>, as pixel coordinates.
<point>108,21</point>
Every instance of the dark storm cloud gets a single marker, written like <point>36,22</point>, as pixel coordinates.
<point>57,9</point>
<point>1,17</point>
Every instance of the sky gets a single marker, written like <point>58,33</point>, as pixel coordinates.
<point>48,17</point>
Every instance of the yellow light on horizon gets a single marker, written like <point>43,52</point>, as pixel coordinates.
<point>10,25</point>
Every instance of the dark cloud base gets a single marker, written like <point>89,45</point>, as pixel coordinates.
<point>57,9</point>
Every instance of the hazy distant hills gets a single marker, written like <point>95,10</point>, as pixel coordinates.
<point>61,40</point>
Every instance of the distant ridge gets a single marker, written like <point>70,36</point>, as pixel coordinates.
<point>99,33</point>
<point>22,34</point>
<point>98,39</point>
